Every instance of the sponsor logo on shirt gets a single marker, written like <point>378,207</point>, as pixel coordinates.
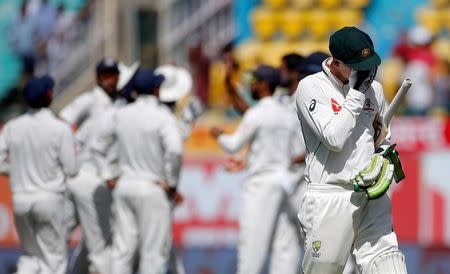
<point>368,106</point>
<point>312,105</point>
<point>316,247</point>
<point>335,106</point>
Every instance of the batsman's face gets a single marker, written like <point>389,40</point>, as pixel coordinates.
<point>108,82</point>
<point>340,70</point>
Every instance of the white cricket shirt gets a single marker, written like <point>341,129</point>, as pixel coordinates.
<point>149,142</point>
<point>40,150</point>
<point>337,126</point>
<point>271,131</point>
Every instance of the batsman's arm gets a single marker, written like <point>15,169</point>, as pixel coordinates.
<point>314,110</point>
<point>172,142</point>
<point>232,143</point>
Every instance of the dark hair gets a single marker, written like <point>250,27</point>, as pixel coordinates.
<point>292,60</point>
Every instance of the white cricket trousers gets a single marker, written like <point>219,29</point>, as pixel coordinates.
<point>338,221</point>
<point>40,225</point>
<point>266,226</point>
<point>143,226</point>
<point>93,200</point>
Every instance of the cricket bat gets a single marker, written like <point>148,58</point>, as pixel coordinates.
<point>386,119</point>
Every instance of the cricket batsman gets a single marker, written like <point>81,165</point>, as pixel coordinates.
<point>337,108</point>
<point>270,131</point>
<point>149,149</point>
<point>40,151</point>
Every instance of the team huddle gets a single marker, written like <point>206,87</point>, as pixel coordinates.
<point>110,162</point>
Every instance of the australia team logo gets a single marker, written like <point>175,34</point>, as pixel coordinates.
<point>316,247</point>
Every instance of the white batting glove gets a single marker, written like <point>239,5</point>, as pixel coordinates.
<point>361,80</point>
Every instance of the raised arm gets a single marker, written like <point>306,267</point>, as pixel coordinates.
<point>232,143</point>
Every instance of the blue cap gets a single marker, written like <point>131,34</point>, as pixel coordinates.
<point>313,63</point>
<point>36,91</point>
<point>145,81</point>
<point>268,74</point>
<point>107,65</point>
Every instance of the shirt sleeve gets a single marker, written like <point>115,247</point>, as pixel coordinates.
<point>4,164</point>
<point>103,146</point>
<point>172,142</point>
<point>74,112</point>
<point>67,154</point>
<point>315,111</point>
<point>232,143</point>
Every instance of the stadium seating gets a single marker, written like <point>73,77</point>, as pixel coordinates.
<point>302,4</point>
<point>429,18</point>
<point>357,4</point>
<point>329,4</point>
<point>302,25</point>
<point>275,4</point>
<point>319,23</point>
<point>264,22</point>
<point>292,23</point>
<point>346,17</point>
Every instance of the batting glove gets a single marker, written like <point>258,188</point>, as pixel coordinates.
<point>361,80</point>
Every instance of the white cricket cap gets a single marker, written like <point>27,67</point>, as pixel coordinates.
<point>177,83</point>
<point>126,73</point>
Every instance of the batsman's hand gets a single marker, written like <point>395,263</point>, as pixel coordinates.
<point>216,132</point>
<point>361,80</point>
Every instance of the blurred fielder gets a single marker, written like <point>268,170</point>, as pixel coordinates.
<point>176,88</point>
<point>150,147</point>
<point>91,196</point>
<point>271,131</point>
<point>40,150</point>
<point>337,109</point>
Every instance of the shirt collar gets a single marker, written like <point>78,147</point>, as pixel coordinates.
<point>102,95</point>
<point>147,99</point>
<point>40,112</point>
<point>334,80</point>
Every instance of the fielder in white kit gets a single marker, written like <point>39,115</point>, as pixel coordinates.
<point>177,86</point>
<point>150,149</point>
<point>40,151</point>
<point>91,196</point>
<point>337,108</point>
<point>270,129</point>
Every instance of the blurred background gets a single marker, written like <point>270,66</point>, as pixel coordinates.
<point>67,37</point>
